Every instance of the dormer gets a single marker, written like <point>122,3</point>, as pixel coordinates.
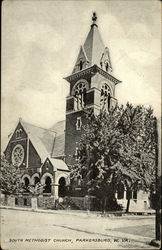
<point>105,62</point>
<point>82,61</point>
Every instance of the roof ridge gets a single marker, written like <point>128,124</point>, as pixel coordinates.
<point>38,126</point>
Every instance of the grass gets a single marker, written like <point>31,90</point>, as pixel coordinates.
<point>143,230</point>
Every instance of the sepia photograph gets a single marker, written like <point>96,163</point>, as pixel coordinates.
<point>80,124</point>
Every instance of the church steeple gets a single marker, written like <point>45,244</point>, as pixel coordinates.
<point>92,86</point>
<point>93,51</point>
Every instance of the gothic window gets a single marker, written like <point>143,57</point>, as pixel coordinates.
<point>105,97</point>
<point>107,66</point>
<point>81,65</point>
<point>78,123</point>
<point>80,95</point>
<point>18,133</point>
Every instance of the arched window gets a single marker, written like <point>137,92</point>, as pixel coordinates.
<point>78,123</point>
<point>47,185</point>
<point>26,182</point>
<point>105,97</point>
<point>80,95</point>
<point>81,65</point>
<point>17,133</point>
<point>107,66</point>
<point>20,132</point>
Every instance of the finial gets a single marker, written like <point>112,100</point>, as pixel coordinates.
<point>94,18</point>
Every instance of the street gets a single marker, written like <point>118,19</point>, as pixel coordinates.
<point>74,230</point>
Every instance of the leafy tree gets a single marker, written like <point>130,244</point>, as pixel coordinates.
<point>36,190</point>
<point>117,147</point>
<point>99,151</point>
<point>10,179</point>
<point>136,167</point>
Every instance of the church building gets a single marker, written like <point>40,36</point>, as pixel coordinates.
<point>46,155</point>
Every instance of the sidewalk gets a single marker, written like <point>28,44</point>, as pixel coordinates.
<point>95,225</point>
<point>82,213</point>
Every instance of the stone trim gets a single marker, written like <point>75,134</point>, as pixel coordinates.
<point>92,70</point>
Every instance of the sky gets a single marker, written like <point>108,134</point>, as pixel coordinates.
<point>40,44</point>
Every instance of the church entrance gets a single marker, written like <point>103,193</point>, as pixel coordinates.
<point>47,185</point>
<point>62,187</point>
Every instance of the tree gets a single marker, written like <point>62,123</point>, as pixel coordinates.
<point>99,151</point>
<point>36,190</point>
<point>137,157</point>
<point>11,183</point>
<point>117,147</point>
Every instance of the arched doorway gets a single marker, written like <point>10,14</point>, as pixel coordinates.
<point>47,185</point>
<point>62,187</point>
<point>36,180</point>
<point>26,182</point>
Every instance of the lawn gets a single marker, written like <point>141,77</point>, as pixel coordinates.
<point>144,230</point>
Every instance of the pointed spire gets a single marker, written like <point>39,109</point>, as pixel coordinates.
<point>93,50</point>
<point>94,46</point>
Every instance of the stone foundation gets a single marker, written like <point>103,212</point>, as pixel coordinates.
<point>46,202</point>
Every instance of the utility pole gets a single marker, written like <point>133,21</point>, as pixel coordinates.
<point>157,241</point>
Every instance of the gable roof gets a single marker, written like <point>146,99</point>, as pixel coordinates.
<point>59,164</point>
<point>47,142</point>
<point>59,143</point>
<point>81,56</point>
<point>43,139</point>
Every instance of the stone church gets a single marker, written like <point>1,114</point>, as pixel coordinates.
<point>45,155</point>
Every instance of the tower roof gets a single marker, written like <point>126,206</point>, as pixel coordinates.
<point>93,51</point>
<point>94,46</point>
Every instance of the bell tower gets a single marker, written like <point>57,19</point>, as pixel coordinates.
<point>92,85</point>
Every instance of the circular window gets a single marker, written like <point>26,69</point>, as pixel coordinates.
<point>105,89</point>
<point>17,155</point>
